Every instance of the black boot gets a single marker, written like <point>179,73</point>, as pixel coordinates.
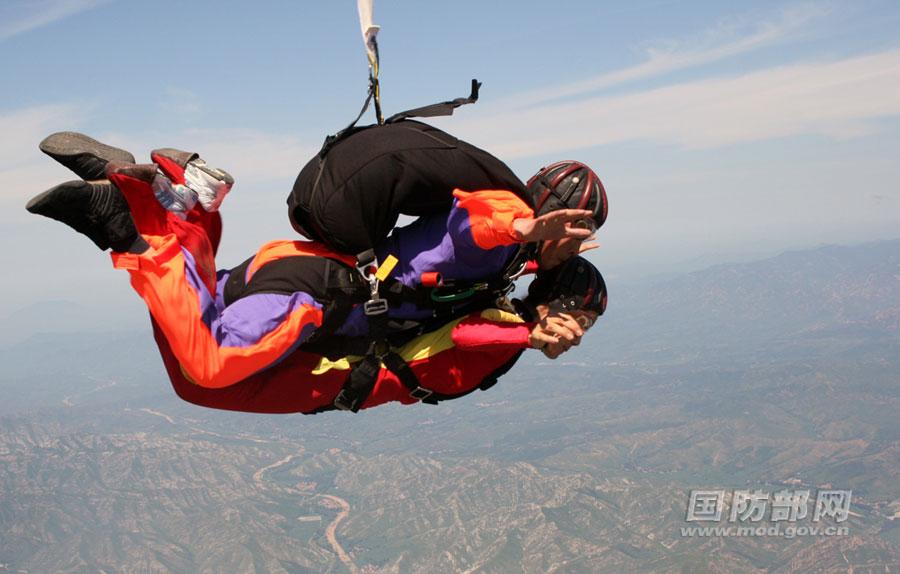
<point>95,209</point>
<point>83,155</point>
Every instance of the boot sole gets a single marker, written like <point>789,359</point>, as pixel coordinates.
<point>74,144</point>
<point>45,203</point>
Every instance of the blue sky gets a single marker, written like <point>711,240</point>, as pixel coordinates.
<point>721,130</point>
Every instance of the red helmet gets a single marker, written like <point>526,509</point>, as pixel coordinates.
<point>568,185</point>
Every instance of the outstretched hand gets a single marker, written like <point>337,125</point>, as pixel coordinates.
<point>556,334</point>
<point>553,225</point>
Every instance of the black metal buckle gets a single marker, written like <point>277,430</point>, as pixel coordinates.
<point>344,403</point>
<point>420,394</point>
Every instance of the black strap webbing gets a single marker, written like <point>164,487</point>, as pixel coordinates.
<point>361,381</point>
<point>439,109</point>
<point>404,372</point>
<point>359,384</point>
<point>332,139</point>
<point>411,382</point>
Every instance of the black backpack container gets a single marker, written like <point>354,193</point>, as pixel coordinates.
<point>350,195</point>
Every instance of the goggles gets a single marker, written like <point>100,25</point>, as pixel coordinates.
<point>588,224</point>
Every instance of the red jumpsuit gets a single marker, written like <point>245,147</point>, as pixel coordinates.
<point>270,375</point>
<point>450,361</point>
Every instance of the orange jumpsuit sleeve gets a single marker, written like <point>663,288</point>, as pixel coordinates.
<point>491,215</point>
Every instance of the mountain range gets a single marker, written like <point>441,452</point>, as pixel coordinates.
<point>768,375</point>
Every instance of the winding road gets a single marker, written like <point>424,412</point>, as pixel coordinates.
<point>332,528</point>
<point>330,501</point>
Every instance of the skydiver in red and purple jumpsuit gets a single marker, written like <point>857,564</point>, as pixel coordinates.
<point>218,346</point>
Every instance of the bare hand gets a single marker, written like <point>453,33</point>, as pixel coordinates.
<point>538,339</point>
<point>556,334</point>
<point>564,326</point>
<point>553,225</point>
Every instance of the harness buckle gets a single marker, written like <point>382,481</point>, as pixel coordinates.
<point>367,271</point>
<point>367,265</point>
<point>343,402</point>
<point>420,394</point>
<point>375,307</point>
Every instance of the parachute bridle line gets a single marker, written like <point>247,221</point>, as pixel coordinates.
<point>374,86</point>
<point>369,34</point>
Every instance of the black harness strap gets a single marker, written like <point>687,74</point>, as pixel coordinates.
<point>332,139</point>
<point>404,372</point>
<point>440,109</point>
<point>356,392</point>
<point>361,381</point>
<point>359,384</point>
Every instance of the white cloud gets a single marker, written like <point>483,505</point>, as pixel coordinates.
<point>252,156</point>
<point>838,99</point>
<point>23,169</point>
<point>257,156</point>
<point>18,17</point>
<point>726,39</point>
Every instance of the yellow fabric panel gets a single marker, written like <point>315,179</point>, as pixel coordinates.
<point>326,365</point>
<point>501,316</point>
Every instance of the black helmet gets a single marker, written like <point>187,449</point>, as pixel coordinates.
<point>568,185</point>
<point>572,286</point>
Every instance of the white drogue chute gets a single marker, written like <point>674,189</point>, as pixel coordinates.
<point>369,30</point>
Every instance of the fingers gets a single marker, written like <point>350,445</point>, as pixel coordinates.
<point>564,216</point>
<point>563,334</point>
<point>559,332</point>
<point>568,215</point>
<point>554,225</point>
<point>587,246</point>
<point>562,342</point>
<point>539,339</point>
<point>573,324</point>
<point>563,325</point>
<point>576,233</point>
<point>557,224</point>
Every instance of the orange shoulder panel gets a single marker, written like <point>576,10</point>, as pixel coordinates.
<point>491,215</point>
